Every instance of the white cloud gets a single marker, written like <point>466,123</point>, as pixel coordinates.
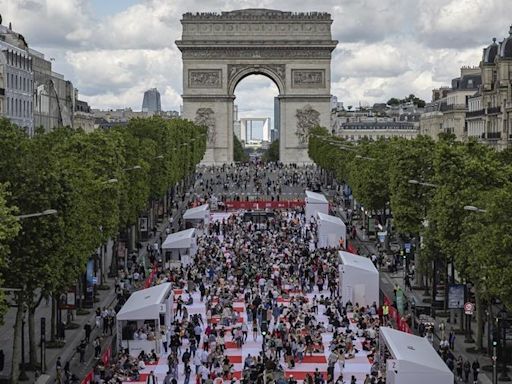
<point>386,47</point>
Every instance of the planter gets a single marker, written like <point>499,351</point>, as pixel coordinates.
<point>103,287</point>
<point>82,312</point>
<point>72,325</point>
<point>475,350</point>
<point>55,344</point>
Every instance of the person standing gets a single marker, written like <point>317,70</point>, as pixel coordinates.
<point>451,339</point>
<point>88,330</point>
<point>152,379</point>
<point>467,370</point>
<point>458,367</point>
<point>476,370</point>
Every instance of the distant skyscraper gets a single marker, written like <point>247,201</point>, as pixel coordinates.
<point>151,102</point>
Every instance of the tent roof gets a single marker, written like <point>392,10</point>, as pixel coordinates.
<point>144,304</point>
<point>413,349</point>
<point>179,239</point>
<point>330,218</point>
<point>359,262</point>
<point>196,212</point>
<point>314,197</point>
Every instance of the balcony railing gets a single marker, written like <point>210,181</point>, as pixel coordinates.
<point>492,135</point>
<point>480,112</point>
<point>493,110</point>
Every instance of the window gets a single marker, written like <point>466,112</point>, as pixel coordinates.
<point>8,80</point>
<point>16,82</point>
<point>8,105</point>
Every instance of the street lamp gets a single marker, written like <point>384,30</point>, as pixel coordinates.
<point>365,157</point>
<point>472,208</point>
<point>109,181</point>
<point>503,316</point>
<point>422,183</point>
<point>38,214</point>
<point>264,329</point>
<point>132,168</point>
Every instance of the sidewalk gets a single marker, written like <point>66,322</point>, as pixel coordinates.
<point>387,283</point>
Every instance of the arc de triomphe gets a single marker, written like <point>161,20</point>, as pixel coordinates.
<point>292,49</point>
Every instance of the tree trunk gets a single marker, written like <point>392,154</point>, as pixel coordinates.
<point>479,319</point>
<point>16,346</point>
<point>32,337</point>
<point>53,321</point>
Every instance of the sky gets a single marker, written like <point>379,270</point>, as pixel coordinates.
<point>113,50</point>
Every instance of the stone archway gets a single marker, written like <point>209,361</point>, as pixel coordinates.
<point>292,49</point>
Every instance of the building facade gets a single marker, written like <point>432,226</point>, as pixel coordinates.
<point>379,121</point>
<point>495,113</point>
<point>446,113</point>
<point>16,78</point>
<point>151,102</point>
<point>83,117</point>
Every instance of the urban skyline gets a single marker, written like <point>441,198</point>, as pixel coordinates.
<point>417,47</point>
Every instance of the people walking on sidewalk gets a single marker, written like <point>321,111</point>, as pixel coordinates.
<point>88,330</point>
<point>476,370</point>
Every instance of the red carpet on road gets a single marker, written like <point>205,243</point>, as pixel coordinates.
<point>297,375</point>
<point>317,359</point>
<point>235,359</point>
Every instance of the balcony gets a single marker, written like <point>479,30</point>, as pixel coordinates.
<point>491,135</point>
<point>451,107</point>
<point>480,112</point>
<point>493,110</point>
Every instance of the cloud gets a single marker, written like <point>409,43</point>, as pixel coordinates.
<point>369,60</point>
<point>460,24</point>
<point>386,47</point>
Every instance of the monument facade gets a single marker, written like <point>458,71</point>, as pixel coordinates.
<point>292,49</point>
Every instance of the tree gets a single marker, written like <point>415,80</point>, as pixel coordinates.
<point>239,154</point>
<point>272,152</point>
<point>9,227</point>
<point>393,101</point>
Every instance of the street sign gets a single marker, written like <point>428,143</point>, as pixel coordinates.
<point>407,247</point>
<point>469,308</point>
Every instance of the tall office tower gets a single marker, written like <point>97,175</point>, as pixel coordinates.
<point>151,102</point>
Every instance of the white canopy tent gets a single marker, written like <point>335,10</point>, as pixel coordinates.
<point>331,229</point>
<point>411,359</point>
<point>359,279</point>
<point>315,202</point>
<point>197,217</point>
<point>180,246</point>
<point>151,306</point>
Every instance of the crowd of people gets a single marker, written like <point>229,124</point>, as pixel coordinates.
<point>260,283</point>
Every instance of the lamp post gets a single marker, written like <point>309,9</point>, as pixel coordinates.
<point>132,168</point>
<point>419,277</point>
<point>23,374</point>
<point>503,316</point>
<point>264,329</point>
<point>38,214</point>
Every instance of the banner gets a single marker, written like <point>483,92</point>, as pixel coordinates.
<point>89,378</point>
<point>285,204</point>
<point>107,354</point>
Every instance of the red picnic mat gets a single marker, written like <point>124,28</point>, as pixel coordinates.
<point>299,375</point>
<point>235,359</point>
<point>317,359</point>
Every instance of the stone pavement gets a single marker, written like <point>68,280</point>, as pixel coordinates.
<point>388,281</point>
